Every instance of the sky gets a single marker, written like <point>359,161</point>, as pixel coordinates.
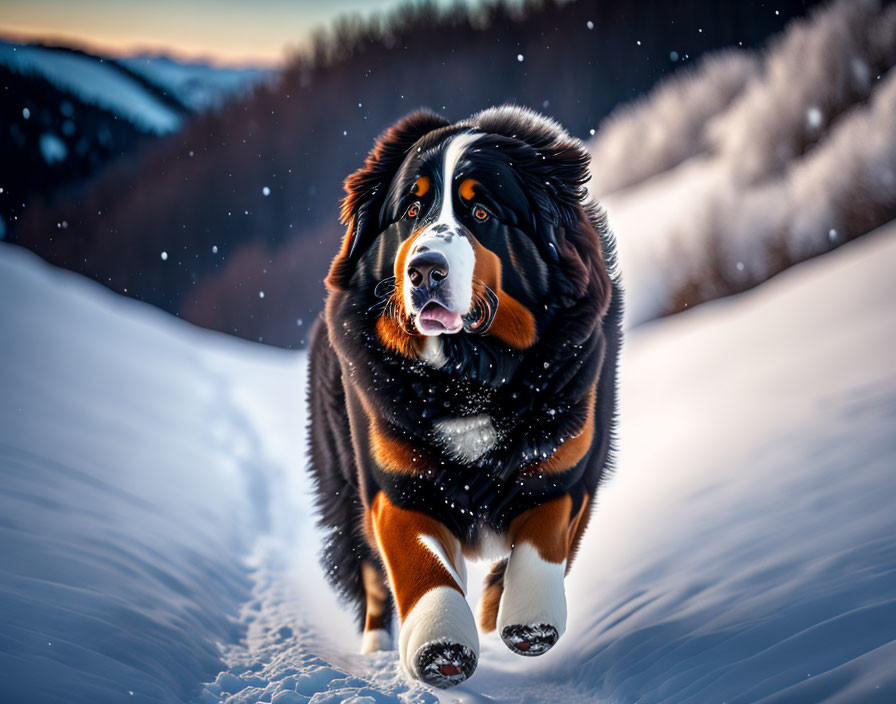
<point>227,31</point>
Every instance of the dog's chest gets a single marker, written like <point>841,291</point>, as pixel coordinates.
<point>467,438</point>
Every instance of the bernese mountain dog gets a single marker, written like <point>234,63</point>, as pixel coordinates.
<point>463,384</point>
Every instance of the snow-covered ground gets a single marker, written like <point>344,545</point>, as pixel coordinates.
<point>157,541</point>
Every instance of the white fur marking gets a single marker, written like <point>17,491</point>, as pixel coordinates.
<point>449,240</point>
<point>432,352</point>
<point>441,615</point>
<point>489,546</point>
<point>533,591</point>
<point>458,574</point>
<point>461,261</point>
<point>457,145</point>
<point>469,438</point>
<point>374,640</point>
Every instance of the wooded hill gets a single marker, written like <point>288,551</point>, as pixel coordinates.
<point>244,200</point>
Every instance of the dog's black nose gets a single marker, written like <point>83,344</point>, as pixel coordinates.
<point>427,268</point>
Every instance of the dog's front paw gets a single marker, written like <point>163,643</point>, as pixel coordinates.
<point>438,643</point>
<point>532,613</point>
<point>444,665</point>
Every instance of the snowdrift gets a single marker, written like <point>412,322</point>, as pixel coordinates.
<point>157,542</point>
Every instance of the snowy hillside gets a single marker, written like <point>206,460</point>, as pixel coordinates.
<point>97,82</point>
<point>196,85</point>
<point>757,160</point>
<point>153,92</point>
<point>157,541</point>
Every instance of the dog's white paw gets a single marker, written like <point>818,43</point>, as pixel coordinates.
<point>438,642</point>
<point>532,613</point>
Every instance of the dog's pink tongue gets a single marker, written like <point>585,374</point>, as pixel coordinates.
<point>436,318</point>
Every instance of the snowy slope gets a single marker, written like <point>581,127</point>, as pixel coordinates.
<point>155,524</point>
<point>94,81</point>
<point>196,85</point>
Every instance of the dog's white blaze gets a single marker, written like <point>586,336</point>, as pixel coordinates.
<point>442,615</point>
<point>456,248</point>
<point>533,591</point>
<point>457,145</point>
<point>467,439</point>
<point>459,573</point>
<point>374,640</point>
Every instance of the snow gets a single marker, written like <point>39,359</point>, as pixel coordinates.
<point>196,85</point>
<point>654,250</point>
<point>52,148</point>
<point>157,527</point>
<point>93,81</point>
<point>753,158</point>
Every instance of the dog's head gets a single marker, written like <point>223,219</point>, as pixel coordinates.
<point>473,227</point>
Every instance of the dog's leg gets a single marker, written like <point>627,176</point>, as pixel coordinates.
<point>532,613</point>
<point>438,642</point>
<point>376,628</point>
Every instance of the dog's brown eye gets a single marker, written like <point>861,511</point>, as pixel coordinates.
<point>413,210</point>
<point>480,213</point>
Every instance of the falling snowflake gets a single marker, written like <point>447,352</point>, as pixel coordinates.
<point>164,256</point>
<point>519,57</point>
<point>265,191</point>
<point>814,117</point>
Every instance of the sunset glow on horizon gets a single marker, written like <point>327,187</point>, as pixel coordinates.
<point>225,31</point>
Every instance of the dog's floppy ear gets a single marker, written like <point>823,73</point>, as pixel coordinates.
<point>552,165</point>
<point>366,190</point>
<point>583,263</point>
<point>554,168</point>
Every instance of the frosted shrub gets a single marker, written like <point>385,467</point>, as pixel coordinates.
<point>658,132</point>
<point>815,72</point>
<point>842,189</point>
